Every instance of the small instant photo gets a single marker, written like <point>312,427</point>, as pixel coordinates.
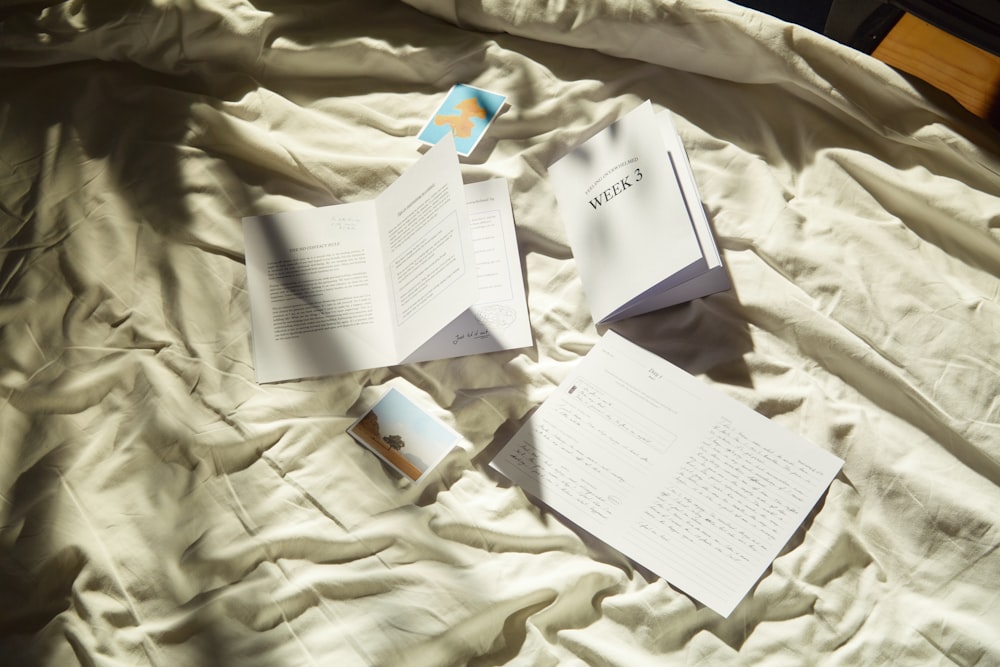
<point>404,435</point>
<point>466,112</point>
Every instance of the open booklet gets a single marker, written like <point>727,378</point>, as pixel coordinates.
<point>428,269</point>
<point>681,478</point>
<point>634,218</point>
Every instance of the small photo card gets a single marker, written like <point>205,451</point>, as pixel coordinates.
<point>466,112</point>
<point>404,435</point>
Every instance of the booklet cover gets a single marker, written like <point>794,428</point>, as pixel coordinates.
<point>403,435</point>
<point>634,218</point>
<point>676,475</point>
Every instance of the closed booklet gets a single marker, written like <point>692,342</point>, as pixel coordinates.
<point>634,218</point>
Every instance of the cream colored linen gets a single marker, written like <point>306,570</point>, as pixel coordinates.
<point>159,507</point>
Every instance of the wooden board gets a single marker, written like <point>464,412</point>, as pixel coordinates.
<point>967,73</point>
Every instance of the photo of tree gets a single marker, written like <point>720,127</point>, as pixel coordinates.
<point>404,435</point>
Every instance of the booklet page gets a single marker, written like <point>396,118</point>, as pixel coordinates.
<point>315,280</point>
<point>427,244</point>
<point>689,188</point>
<point>714,278</point>
<point>498,320</point>
<point>681,478</point>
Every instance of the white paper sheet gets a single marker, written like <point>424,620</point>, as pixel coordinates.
<point>679,477</point>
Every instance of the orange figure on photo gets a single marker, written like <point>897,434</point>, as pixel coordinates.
<point>461,124</point>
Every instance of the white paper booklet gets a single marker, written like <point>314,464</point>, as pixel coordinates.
<point>684,480</point>
<point>634,218</point>
<point>361,285</point>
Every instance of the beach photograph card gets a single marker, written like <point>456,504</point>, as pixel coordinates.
<point>466,112</point>
<point>404,435</point>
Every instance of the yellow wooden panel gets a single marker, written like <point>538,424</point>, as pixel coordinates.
<point>967,73</point>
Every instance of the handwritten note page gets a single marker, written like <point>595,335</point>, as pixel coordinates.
<point>689,483</point>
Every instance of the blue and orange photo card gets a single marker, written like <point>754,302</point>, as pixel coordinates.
<point>466,112</point>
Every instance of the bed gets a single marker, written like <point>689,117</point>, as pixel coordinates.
<point>160,507</point>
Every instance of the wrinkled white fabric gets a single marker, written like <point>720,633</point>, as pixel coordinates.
<point>159,507</point>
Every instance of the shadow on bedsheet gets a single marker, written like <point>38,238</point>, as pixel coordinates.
<point>114,153</point>
<point>127,125</point>
<point>83,135</point>
<point>101,154</point>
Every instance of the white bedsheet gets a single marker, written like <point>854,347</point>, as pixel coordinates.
<point>159,507</point>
